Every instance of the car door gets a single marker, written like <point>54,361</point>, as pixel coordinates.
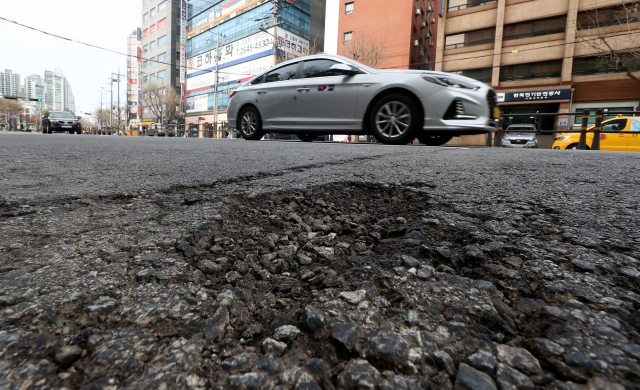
<point>326,100</point>
<point>275,97</point>
<point>634,135</point>
<point>614,141</point>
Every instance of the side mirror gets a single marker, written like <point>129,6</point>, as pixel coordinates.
<point>343,70</point>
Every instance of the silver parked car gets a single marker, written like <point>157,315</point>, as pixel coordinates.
<point>329,94</point>
<point>520,136</point>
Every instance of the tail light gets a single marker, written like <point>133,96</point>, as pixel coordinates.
<point>232,94</point>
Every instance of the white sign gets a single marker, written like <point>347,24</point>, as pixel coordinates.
<point>200,103</point>
<point>249,48</point>
<point>500,96</point>
<point>202,81</point>
<point>245,70</point>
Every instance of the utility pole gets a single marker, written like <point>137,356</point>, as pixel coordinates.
<point>215,98</point>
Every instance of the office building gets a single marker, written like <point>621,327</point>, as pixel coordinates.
<point>403,30</point>
<point>246,32</point>
<point>160,47</point>
<point>534,54</point>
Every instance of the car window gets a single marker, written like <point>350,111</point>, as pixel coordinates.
<point>62,115</point>
<point>287,72</point>
<point>615,125</point>
<point>258,80</point>
<point>318,68</point>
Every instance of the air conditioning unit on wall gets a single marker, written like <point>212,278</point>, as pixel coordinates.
<point>415,43</point>
<point>417,11</point>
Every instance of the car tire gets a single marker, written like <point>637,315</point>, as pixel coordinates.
<point>434,139</point>
<point>575,147</point>
<point>79,131</point>
<point>48,129</point>
<point>250,124</point>
<point>307,137</point>
<point>394,119</point>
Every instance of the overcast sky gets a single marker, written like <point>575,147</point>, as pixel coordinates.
<point>104,23</point>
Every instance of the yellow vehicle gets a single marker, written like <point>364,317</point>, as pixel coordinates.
<point>627,142</point>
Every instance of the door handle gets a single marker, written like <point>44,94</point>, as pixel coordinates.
<point>261,92</point>
<point>303,89</point>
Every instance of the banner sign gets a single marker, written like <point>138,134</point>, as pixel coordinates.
<point>249,48</point>
<point>229,10</point>
<point>152,28</point>
<point>541,95</point>
<point>198,103</point>
<point>139,54</point>
<point>183,48</point>
<point>139,34</point>
<point>162,24</point>
<point>235,73</point>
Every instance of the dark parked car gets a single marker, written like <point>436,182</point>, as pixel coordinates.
<point>60,121</point>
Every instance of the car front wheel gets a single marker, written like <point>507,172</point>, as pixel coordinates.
<point>394,119</point>
<point>48,129</point>
<point>251,124</point>
<point>434,139</point>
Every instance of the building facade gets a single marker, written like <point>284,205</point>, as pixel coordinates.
<point>10,83</point>
<point>134,106</point>
<point>405,32</point>
<point>246,33</point>
<point>58,95</point>
<point>534,53</point>
<point>160,48</point>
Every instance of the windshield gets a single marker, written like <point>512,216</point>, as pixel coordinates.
<point>61,115</point>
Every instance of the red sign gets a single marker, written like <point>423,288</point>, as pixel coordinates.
<point>139,111</point>
<point>162,23</point>
<point>603,136</point>
<point>153,29</point>
<point>139,54</point>
<point>146,32</point>
<point>133,81</point>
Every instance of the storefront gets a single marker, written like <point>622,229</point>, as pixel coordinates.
<point>556,100</point>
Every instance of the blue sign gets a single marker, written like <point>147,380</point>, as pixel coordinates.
<point>13,117</point>
<point>562,123</point>
<point>542,95</point>
<point>139,33</point>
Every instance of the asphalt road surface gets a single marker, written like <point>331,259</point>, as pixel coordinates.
<point>152,263</point>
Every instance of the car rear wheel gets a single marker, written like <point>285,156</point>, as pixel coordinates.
<point>434,139</point>
<point>251,124</point>
<point>306,137</point>
<point>394,119</point>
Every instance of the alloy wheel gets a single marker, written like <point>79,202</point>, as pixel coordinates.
<point>393,119</point>
<point>249,123</point>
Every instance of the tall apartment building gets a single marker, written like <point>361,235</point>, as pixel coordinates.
<point>58,95</point>
<point>133,71</point>
<point>404,30</point>
<point>9,83</point>
<point>31,84</point>
<point>533,53</point>
<point>244,49</point>
<point>68,101</point>
<point>160,46</point>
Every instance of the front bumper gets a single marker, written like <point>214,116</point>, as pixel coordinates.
<point>528,145</point>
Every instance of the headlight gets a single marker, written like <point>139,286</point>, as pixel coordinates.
<point>563,138</point>
<point>506,140</point>
<point>446,81</point>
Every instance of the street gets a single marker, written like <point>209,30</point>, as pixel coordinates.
<point>163,263</point>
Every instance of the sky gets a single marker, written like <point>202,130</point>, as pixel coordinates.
<point>104,23</point>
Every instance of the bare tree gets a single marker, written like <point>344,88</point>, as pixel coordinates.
<point>162,101</point>
<point>11,107</point>
<point>366,49</point>
<point>608,34</point>
<point>102,114</point>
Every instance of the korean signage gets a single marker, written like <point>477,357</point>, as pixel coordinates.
<point>235,73</point>
<point>139,54</point>
<point>146,32</point>
<point>153,29</point>
<point>249,48</point>
<point>183,46</point>
<point>523,96</point>
<point>198,103</point>
<point>229,10</point>
<point>139,33</point>
<point>162,23</point>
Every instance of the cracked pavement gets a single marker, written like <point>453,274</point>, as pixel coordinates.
<point>142,263</point>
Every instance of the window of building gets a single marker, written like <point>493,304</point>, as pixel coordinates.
<point>145,2</point>
<point>177,55</point>
<point>146,48</point>
<point>153,45</point>
<point>609,113</point>
<point>145,63</point>
<point>531,71</point>
<point>607,17</point>
<point>471,38</point>
<point>152,78</point>
<point>596,65</point>
<point>162,23</point>
<point>145,17</point>
<point>317,68</point>
<point>162,6</point>
<point>161,74</point>
<point>146,79</point>
<point>456,5</point>
<point>482,74</point>
<point>152,61</point>
<point>161,57</point>
<point>153,12</point>
<point>348,8</point>
<point>286,72</point>
<point>348,36</point>
<point>177,72</point>
<point>146,32</point>
<point>535,28</point>
<point>162,40</point>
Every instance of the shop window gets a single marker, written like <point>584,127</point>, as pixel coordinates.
<point>348,8</point>
<point>531,71</point>
<point>471,38</point>
<point>348,36</point>
<point>482,74</point>
<point>535,28</point>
